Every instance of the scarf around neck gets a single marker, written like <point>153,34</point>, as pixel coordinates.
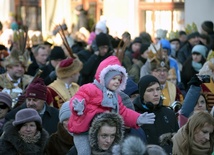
<point>110,99</point>
<point>180,137</point>
<point>197,66</point>
<point>29,139</point>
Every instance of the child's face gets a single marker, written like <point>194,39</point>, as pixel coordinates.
<point>114,83</point>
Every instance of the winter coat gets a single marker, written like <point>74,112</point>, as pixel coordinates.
<point>50,118</point>
<point>60,142</point>
<point>95,128</point>
<point>12,144</point>
<point>93,97</point>
<point>184,52</point>
<point>165,122</point>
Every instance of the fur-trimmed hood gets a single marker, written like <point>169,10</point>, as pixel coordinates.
<point>111,63</point>
<point>11,142</point>
<point>98,122</point>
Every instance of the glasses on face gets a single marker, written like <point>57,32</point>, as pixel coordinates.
<point>164,70</point>
<point>3,106</point>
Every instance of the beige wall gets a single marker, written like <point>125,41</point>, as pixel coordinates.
<point>198,11</point>
<point>122,15</point>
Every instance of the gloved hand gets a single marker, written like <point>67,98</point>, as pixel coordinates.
<point>195,81</point>
<point>146,118</point>
<point>78,106</point>
<point>52,75</point>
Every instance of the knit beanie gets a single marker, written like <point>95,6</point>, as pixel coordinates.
<point>144,47</point>
<point>68,67</point>
<point>193,35</point>
<point>6,99</point>
<point>37,89</point>
<point>144,83</point>
<point>131,87</point>
<point>27,115</point>
<point>64,112</point>
<point>110,74</point>
<point>102,26</point>
<point>57,53</point>
<point>137,40</point>
<point>200,49</point>
<point>207,26</point>
<point>102,39</point>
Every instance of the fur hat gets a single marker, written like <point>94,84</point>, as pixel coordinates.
<point>144,83</point>
<point>102,39</point>
<point>64,112</point>
<point>16,58</point>
<point>68,67</point>
<point>207,26</point>
<point>37,89</point>
<point>27,115</point>
<point>57,53</point>
<point>6,99</point>
<point>106,118</point>
<point>200,49</point>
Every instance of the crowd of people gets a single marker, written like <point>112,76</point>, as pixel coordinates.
<point>107,95</point>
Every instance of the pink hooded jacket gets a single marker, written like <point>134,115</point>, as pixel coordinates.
<point>93,97</point>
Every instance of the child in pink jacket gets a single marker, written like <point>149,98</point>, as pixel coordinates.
<point>98,97</point>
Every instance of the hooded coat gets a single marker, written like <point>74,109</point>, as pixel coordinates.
<point>11,143</point>
<point>97,124</point>
<point>93,97</point>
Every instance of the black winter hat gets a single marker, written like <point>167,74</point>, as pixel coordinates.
<point>102,39</point>
<point>145,82</point>
<point>193,35</point>
<point>137,40</point>
<point>144,47</point>
<point>207,26</point>
<point>57,53</point>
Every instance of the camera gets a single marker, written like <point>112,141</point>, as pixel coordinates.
<point>204,78</point>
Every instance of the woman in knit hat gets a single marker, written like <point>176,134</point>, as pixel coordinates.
<point>5,106</point>
<point>98,97</point>
<point>150,101</point>
<point>24,135</point>
<point>61,141</point>
<point>193,64</point>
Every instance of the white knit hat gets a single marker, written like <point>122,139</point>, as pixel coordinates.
<point>102,26</point>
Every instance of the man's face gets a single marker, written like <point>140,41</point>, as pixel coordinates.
<point>152,94</point>
<point>106,136</point>
<point>16,71</point>
<point>161,74</point>
<point>194,41</point>
<point>176,44</point>
<point>42,56</point>
<point>34,103</point>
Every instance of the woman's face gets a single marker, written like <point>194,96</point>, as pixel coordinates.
<point>28,129</point>
<point>196,57</point>
<point>202,135</point>
<point>201,104</point>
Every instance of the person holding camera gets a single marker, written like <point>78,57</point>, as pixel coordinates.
<point>194,100</point>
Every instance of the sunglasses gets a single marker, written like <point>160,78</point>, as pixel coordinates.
<point>4,106</point>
